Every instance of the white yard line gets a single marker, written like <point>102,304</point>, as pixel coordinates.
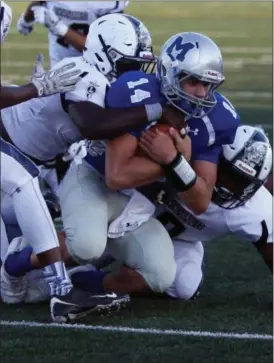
<point>124,329</point>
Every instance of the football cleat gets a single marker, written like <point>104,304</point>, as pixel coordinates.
<point>77,304</point>
<point>13,289</point>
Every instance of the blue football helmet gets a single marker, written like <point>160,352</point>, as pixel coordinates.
<point>186,55</point>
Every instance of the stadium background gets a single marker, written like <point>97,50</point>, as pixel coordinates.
<point>237,290</point>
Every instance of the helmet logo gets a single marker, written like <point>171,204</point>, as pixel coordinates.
<point>254,153</point>
<point>245,168</point>
<point>178,50</point>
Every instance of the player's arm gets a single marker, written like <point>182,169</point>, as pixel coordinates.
<point>125,168</point>
<point>63,78</point>
<point>198,197</point>
<point>10,96</point>
<point>194,182</point>
<point>97,123</point>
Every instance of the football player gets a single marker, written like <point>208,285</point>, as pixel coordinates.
<point>67,23</point>
<point>243,168</point>
<point>19,185</point>
<point>42,83</point>
<point>196,64</point>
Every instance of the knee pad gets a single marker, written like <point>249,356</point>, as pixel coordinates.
<point>84,248</point>
<point>187,281</point>
<point>159,276</point>
<point>189,273</point>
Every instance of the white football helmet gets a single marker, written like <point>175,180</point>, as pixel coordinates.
<point>186,55</point>
<point>117,43</point>
<point>243,168</point>
<point>5,19</point>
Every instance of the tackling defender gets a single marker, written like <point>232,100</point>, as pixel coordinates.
<point>19,184</point>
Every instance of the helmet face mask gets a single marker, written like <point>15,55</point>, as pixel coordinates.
<point>243,168</point>
<point>117,43</point>
<point>190,57</point>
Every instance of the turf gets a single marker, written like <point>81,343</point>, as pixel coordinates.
<point>237,290</point>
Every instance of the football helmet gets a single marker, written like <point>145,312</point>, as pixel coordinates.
<point>5,19</point>
<point>243,168</point>
<point>117,43</point>
<point>186,55</point>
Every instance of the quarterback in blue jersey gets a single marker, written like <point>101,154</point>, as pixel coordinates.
<point>188,72</point>
<point>91,198</point>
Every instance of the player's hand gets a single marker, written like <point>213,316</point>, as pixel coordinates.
<point>183,145</point>
<point>24,27</point>
<point>158,146</point>
<point>50,20</point>
<point>59,80</point>
<point>162,147</point>
<point>173,117</point>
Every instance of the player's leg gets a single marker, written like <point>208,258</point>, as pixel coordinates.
<point>148,262</point>
<point>189,269</point>
<point>85,212</point>
<point>148,258</point>
<point>13,289</point>
<point>19,180</point>
<point>70,303</point>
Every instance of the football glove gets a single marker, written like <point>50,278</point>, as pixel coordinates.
<point>57,80</point>
<point>23,26</point>
<point>50,20</point>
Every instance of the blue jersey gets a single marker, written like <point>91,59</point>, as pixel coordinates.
<point>207,133</point>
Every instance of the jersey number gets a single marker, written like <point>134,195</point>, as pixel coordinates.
<point>79,28</point>
<point>228,106</point>
<point>139,94</point>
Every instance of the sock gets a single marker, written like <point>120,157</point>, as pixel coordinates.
<point>57,277</point>
<point>91,281</point>
<point>19,263</point>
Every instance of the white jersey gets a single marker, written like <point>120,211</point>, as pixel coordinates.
<point>41,127</point>
<point>78,15</point>
<point>5,17</point>
<point>247,222</point>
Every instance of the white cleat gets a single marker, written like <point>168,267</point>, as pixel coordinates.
<point>13,289</point>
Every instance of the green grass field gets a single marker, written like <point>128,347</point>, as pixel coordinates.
<point>237,291</point>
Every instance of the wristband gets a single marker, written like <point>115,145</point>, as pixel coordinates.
<point>180,173</point>
<point>154,111</point>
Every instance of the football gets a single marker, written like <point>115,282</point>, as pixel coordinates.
<point>161,127</point>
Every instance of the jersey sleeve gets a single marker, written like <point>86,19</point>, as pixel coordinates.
<point>91,88</point>
<point>110,7</point>
<point>134,89</point>
<point>226,121</point>
<point>250,222</point>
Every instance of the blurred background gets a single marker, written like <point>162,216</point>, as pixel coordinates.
<point>243,30</point>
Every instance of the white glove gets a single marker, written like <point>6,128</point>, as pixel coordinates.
<point>23,26</point>
<point>58,80</point>
<point>50,20</point>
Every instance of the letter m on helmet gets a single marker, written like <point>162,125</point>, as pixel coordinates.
<point>178,50</point>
